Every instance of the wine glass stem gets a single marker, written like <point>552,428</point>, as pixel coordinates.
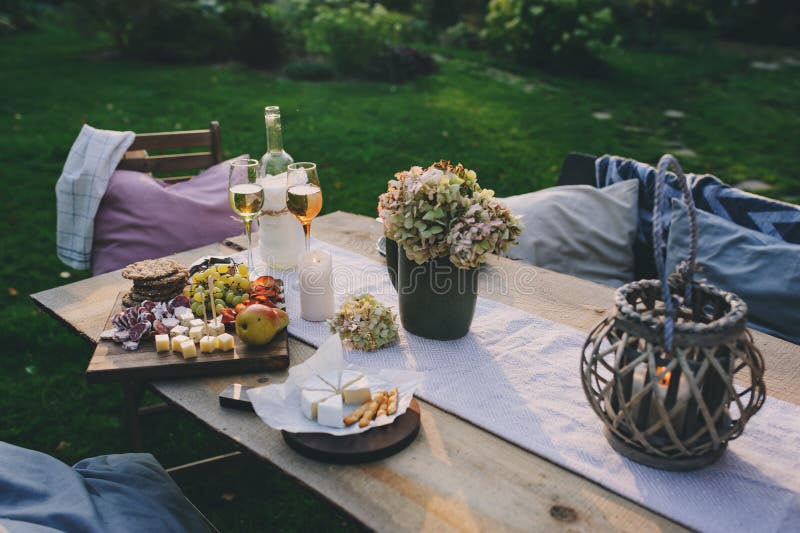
<point>248,232</point>
<point>307,231</point>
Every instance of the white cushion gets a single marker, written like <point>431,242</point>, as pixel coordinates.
<point>579,230</point>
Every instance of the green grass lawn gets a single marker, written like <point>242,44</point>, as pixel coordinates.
<point>514,129</point>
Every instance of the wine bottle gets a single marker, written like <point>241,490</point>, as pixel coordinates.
<point>275,160</point>
<point>280,235</point>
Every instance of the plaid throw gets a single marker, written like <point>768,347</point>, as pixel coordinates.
<point>90,163</point>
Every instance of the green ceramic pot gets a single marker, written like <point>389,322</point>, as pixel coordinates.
<point>391,260</point>
<point>437,300</point>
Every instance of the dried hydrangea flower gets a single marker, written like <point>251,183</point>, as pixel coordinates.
<point>363,323</point>
<point>442,211</point>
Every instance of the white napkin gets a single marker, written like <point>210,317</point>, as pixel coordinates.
<point>279,404</point>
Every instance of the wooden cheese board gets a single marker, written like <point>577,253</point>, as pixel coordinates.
<point>111,362</point>
<point>373,445</point>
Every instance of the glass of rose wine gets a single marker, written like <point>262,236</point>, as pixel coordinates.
<point>246,197</point>
<point>303,195</point>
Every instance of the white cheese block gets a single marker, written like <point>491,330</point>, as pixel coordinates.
<point>225,342</point>
<point>316,383</point>
<point>179,330</point>
<point>216,327</point>
<point>196,333</point>
<point>347,377</point>
<point>195,322</point>
<point>188,349</point>
<point>309,399</point>
<point>357,391</point>
<point>186,317</point>
<point>330,412</point>
<point>162,343</point>
<point>208,344</point>
<point>177,341</point>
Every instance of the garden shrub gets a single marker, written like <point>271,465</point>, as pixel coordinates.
<point>309,70</point>
<point>399,64</point>
<point>352,35</point>
<point>461,35</point>
<point>185,31</point>
<point>556,33</point>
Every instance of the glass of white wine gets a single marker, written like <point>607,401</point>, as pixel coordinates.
<point>246,197</point>
<point>303,195</point>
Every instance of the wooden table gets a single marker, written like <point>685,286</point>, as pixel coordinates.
<point>455,476</point>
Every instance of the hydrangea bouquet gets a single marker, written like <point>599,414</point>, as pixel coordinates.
<point>441,211</point>
<point>363,323</point>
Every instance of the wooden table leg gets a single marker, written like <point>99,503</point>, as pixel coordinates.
<point>132,392</point>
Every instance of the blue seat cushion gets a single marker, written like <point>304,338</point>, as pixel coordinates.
<point>124,492</point>
<point>762,270</point>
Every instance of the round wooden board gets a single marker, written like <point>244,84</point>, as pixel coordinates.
<point>373,445</point>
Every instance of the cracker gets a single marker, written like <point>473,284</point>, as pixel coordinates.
<point>181,276</point>
<point>151,269</point>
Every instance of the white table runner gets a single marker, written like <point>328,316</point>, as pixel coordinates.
<point>517,376</point>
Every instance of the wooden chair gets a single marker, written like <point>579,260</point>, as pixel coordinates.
<point>138,156</point>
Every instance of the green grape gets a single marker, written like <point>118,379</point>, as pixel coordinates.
<point>220,307</point>
<point>229,296</point>
<point>217,292</point>
<point>198,297</point>
<point>219,302</point>
<point>236,301</point>
<point>218,285</point>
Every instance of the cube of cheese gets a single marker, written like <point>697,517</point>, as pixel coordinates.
<point>177,341</point>
<point>216,327</point>
<point>330,412</point>
<point>162,343</point>
<point>356,391</point>
<point>188,349</point>
<point>208,344</point>
<point>195,322</point>
<point>186,317</point>
<point>225,342</point>
<point>309,399</point>
<point>196,333</point>
<point>178,330</point>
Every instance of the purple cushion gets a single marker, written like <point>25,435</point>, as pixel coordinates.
<point>141,218</point>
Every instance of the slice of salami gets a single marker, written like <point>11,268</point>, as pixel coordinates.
<point>130,345</point>
<point>108,334</point>
<point>179,301</point>
<point>159,327</point>
<point>138,331</point>
<point>121,336</point>
<point>148,304</point>
<point>147,317</point>
<point>118,320</point>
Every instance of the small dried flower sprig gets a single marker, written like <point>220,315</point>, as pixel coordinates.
<point>442,211</point>
<point>363,323</point>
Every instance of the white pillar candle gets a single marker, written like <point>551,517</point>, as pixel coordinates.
<point>316,291</point>
<point>678,410</point>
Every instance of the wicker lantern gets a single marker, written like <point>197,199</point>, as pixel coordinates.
<point>673,378</point>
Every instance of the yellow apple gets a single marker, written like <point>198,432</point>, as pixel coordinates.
<point>258,324</point>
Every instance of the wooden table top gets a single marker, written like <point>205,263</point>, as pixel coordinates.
<point>455,476</point>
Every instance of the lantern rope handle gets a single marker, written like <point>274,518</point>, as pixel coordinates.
<point>686,267</point>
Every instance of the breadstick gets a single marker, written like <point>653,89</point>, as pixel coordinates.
<point>354,417</point>
<point>392,408</point>
<point>369,414</point>
<point>383,407</point>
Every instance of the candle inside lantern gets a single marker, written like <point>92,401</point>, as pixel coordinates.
<point>661,388</point>
<point>316,292</point>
